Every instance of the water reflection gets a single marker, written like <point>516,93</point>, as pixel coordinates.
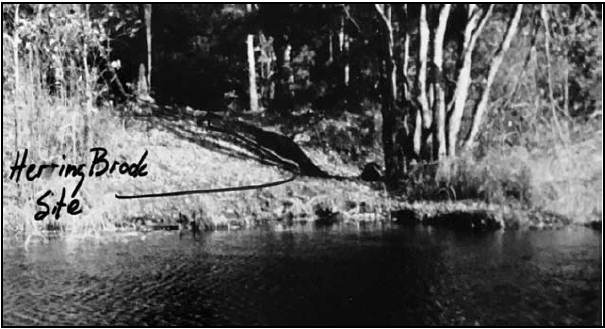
<point>345,275</point>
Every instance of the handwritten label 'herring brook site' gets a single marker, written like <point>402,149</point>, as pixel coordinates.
<point>98,167</point>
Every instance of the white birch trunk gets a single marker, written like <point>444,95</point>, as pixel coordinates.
<point>341,35</point>
<point>16,49</point>
<point>252,74</point>
<point>148,35</point>
<point>472,31</point>
<point>495,64</point>
<point>439,92</point>
<point>421,81</point>
<point>391,54</point>
<point>343,47</point>
<point>253,91</point>
<point>346,72</point>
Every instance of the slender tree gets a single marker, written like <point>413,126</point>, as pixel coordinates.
<point>481,106</point>
<point>144,81</point>
<point>393,164</point>
<point>15,45</point>
<point>343,47</point>
<point>330,41</point>
<point>547,37</point>
<point>147,15</point>
<point>439,92</point>
<point>253,93</point>
<point>421,79</point>
<point>283,77</point>
<point>88,133</point>
<point>476,19</point>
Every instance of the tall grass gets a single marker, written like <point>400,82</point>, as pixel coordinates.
<point>49,126</point>
<point>562,177</point>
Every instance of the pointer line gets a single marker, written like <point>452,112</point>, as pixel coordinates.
<point>206,191</point>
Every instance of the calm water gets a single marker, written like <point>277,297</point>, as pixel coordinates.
<point>306,276</point>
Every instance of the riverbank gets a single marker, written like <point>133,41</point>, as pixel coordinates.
<point>186,156</point>
<point>182,156</point>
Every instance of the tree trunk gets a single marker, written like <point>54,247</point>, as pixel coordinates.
<point>346,70</point>
<point>391,68</point>
<point>422,133</point>
<point>439,91</point>
<point>416,112</point>
<point>330,42</point>
<point>481,106</point>
<point>278,77</point>
<point>270,147</point>
<point>393,160</point>
<point>341,34</point>
<point>266,59</point>
<point>88,134</point>
<point>421,84</point>
<point>144,83</point>
<point>343,48</point>
<point>16,49</point>
<point>252,74</point>
<point>551,97</point>
<point>330,48</point>
<point>251,68</point>
<point>473,29</point>
<point>406,46</point>
<point>283,93</point>
<point>148,35</point>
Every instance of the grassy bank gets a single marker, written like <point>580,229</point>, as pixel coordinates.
<point>182,156</point>
<point>551,186</point>
<point>549,177</point>
<point>516,189</point>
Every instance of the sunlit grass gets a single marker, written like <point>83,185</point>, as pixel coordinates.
<point>50,127</point>
<point>543,172</point>
<point>561,177</point>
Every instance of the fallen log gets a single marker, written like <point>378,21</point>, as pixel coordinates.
<point>265,143</point>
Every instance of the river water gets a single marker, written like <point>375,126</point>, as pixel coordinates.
<point>376,275</point>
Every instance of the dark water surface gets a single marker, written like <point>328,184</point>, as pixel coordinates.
<point>306,276</point>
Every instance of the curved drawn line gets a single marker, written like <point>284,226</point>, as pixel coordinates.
<point>205,191</point>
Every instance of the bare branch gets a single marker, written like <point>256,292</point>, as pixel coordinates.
<point>349,17</point>
<point>380,10</point>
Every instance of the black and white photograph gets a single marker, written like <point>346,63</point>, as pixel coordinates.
<point>302,164</point>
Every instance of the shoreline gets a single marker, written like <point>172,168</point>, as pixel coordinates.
<point>457,216</point>
<point>185,156</point>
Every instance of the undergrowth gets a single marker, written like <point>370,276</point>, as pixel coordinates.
<point>562,177</point>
